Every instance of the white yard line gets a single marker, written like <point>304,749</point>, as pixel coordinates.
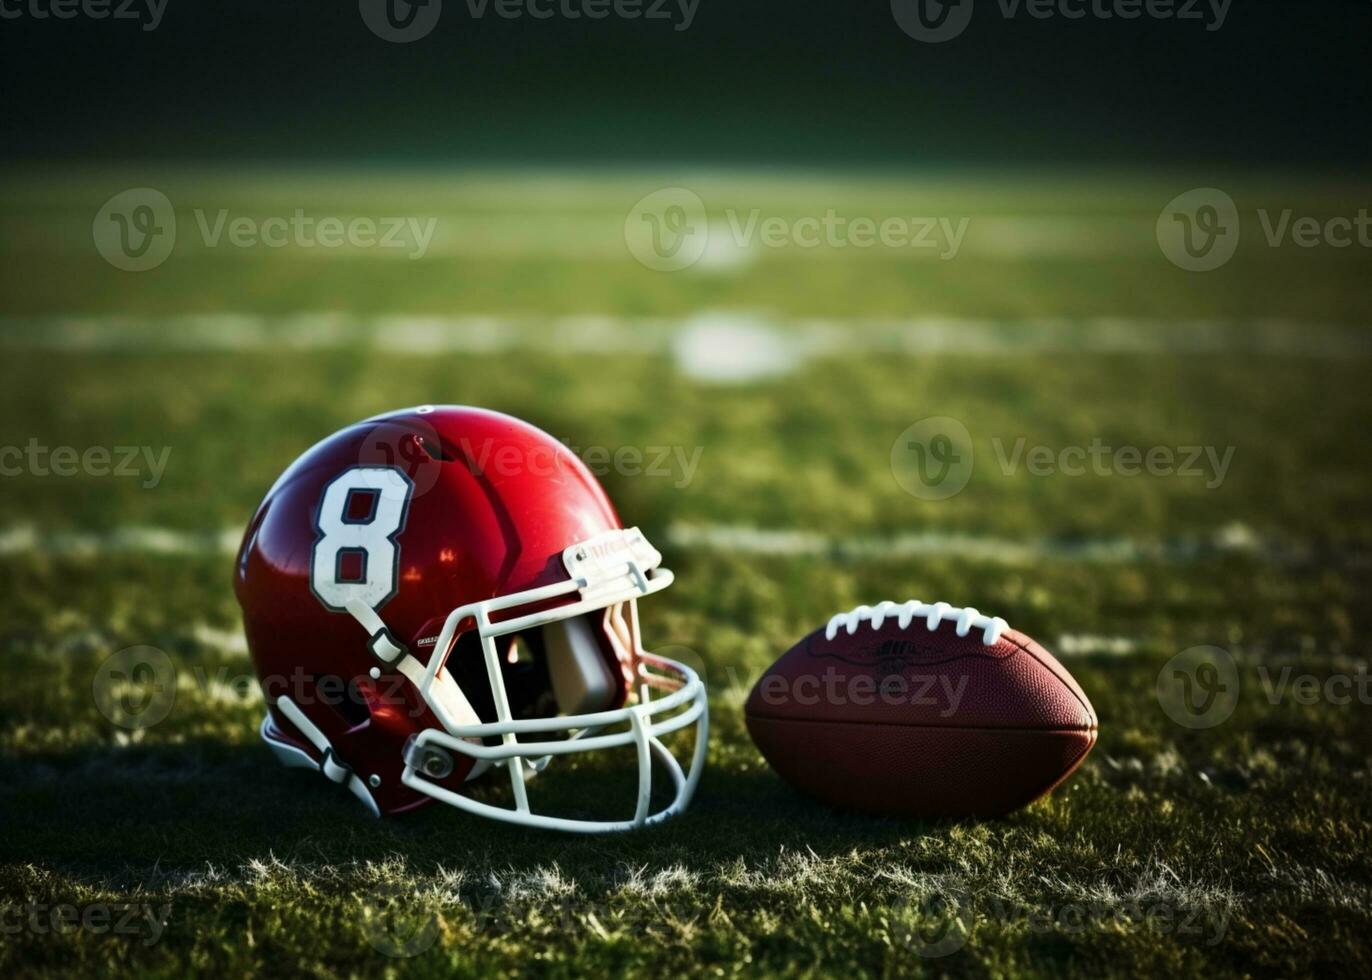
<point>1235,539</point>
<point>25,539</point>
<point>743,540</point>
<point>596,333</point>
<point>719,347</point>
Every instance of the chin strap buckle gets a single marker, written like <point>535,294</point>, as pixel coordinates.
<point>334,768</point>
<point>383,644</point>
<point>385,647</point>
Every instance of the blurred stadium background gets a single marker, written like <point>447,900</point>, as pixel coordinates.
<point>756,399</point>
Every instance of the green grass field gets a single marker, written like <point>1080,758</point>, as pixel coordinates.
<point>1236,849</point>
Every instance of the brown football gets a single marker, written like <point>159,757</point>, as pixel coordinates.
<point>921,710</point>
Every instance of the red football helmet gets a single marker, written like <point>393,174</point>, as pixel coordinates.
<point>432,592</point>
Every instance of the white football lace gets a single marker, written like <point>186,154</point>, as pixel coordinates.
<point>991,626</point>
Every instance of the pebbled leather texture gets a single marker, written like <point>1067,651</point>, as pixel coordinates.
<point>919,722</point>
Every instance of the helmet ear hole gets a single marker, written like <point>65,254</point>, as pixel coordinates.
<point>523,670</point>
<point>344,700</point>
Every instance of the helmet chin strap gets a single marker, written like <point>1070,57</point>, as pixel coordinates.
<point>329,764</point>
<point>439,691</point>
<point>383,643</point>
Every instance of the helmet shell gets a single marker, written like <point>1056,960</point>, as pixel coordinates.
<point>492,503</point>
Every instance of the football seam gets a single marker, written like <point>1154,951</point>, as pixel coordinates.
<point>937,728</point>
<point>1018,648</point>
<point>1085,705</point>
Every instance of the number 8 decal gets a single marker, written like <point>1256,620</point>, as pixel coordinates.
<point>355,556</point>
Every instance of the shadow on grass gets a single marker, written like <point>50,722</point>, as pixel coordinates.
<point>114,813</point>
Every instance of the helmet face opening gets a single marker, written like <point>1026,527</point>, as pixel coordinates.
<point>478,624</point>
<point>568,667</point>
